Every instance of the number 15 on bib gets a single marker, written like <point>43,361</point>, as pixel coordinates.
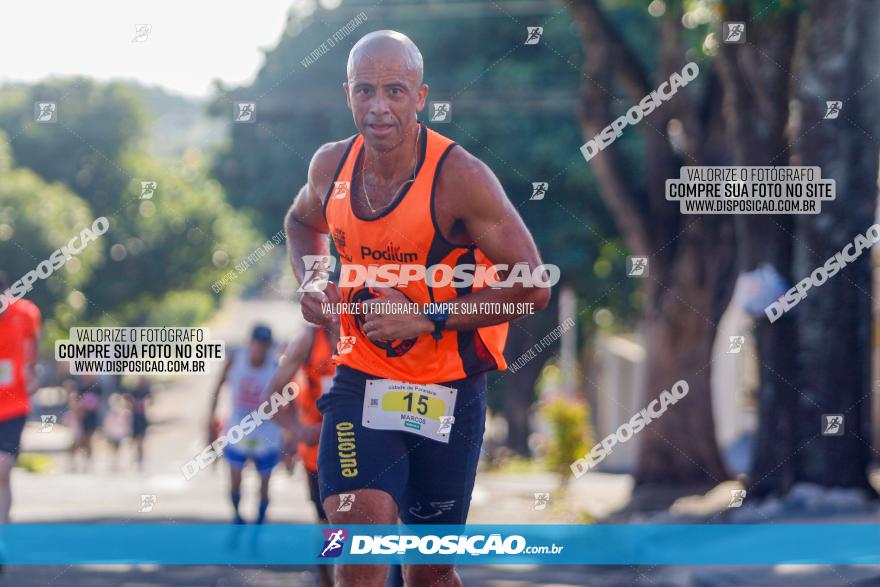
<point>423,409</point>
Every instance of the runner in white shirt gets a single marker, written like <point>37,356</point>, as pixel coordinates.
<point>248,373</point>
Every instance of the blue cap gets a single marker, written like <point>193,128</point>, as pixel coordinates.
<point>262,333</point>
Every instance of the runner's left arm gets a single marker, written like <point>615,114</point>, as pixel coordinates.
<point>215,396</point>
<point>469,193</point>
<point>294,356</point>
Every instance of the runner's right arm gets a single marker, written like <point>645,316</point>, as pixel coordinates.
<point>307,232</point>
<point>291,360</point>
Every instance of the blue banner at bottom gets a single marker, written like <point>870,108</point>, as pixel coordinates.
<point>207,544</point>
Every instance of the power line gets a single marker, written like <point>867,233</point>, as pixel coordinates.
<point>433,10</point>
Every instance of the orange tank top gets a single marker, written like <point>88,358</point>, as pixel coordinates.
<point>406,232</point>
<point>313,378</point>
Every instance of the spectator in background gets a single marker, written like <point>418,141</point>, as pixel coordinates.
<point>84,401</point>
<point>116,425</point>
<point>19,341</point>
<point>138,397</point>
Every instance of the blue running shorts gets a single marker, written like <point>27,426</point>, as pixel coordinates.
<point>431,481</point>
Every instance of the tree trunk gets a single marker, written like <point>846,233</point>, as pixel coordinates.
<point>679,326</point>
<point>518,389</point>
<point>690,259</point>
<point>834,320</point>
<point>756,78</point>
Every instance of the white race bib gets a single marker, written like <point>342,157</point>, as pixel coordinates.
<point>423,409</point>
<point>5,371</point>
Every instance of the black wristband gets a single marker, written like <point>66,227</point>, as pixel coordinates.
<point>439,319</point>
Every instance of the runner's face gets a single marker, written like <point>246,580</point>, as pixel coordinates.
<point>384,97</point>
<point>258,351</point>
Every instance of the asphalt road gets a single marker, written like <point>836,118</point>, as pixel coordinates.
<point>106,494</point>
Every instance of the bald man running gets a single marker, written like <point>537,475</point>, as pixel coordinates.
<point>398,193</point>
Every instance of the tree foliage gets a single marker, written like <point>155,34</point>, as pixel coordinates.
<point>36,219</point>
<point>182,239</point>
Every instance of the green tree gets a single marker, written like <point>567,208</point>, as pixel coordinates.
<point>96,124</point>
<point>36,219</point>
<point>182,239</point>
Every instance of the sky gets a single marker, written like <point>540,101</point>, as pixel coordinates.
<point>190,42</point>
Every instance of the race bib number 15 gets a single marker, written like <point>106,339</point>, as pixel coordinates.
<point>423,409</point>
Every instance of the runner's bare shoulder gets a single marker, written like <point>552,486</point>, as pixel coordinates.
<point>323,166</point>
<point>465,186</point>
<point>462,177</point>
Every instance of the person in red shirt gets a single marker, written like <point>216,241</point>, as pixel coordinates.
<point>19,336</point>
